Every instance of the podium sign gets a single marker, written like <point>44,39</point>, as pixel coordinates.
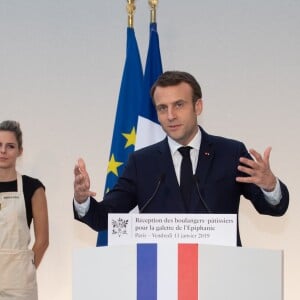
<point>212,229</point>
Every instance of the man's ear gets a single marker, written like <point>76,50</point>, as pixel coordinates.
<point>198,106</point>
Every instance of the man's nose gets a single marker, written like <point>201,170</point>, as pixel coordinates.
<point>171,114</point>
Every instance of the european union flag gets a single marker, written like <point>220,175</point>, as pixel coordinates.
<point>124,134</point>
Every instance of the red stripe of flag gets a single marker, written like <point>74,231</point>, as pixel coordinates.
<point>187,271</point>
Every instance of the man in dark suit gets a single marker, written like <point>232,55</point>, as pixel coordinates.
<point>222,170</point>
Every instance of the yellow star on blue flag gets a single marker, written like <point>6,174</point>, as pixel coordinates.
<point>113,165</point>
<point>130,137</point>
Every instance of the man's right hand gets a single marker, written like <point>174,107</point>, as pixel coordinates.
<point>81,182</point>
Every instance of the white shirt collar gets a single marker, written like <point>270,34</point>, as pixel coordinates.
<point>194,143</point>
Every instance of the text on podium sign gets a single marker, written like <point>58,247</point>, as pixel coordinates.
<point>213,229</point>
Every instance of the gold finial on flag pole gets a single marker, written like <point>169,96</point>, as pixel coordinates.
<point>153,5</point>
<point>130,11</point>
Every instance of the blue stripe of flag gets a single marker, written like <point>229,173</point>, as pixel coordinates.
<point>146,271</point>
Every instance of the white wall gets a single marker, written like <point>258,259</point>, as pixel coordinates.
<point>60,69</point>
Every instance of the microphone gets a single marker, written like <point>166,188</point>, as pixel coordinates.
<point>161,178</point>
<point>200,196</point>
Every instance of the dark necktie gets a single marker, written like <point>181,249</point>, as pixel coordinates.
<point>186,174</point>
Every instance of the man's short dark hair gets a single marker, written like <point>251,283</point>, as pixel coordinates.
<point>171,78</point>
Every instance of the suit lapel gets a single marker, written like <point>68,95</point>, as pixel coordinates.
<point>206,155</point>
<point>167,166</point>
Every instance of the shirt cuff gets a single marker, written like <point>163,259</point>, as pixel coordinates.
<point>82,208</point>
<point>275,196</point>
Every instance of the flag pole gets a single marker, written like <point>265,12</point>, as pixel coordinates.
<point>153,5</point>
<point>130,11</point>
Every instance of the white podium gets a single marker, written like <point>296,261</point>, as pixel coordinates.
<point>171,272</point>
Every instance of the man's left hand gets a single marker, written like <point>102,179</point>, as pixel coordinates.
<point>258,169</point>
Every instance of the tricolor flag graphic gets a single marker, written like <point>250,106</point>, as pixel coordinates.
<point>177,272</point>
<point>158,275</point>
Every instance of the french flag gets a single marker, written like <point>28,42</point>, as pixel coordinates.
<point>157,275</point>
<point>137,272</point>
<point>170,271</point>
